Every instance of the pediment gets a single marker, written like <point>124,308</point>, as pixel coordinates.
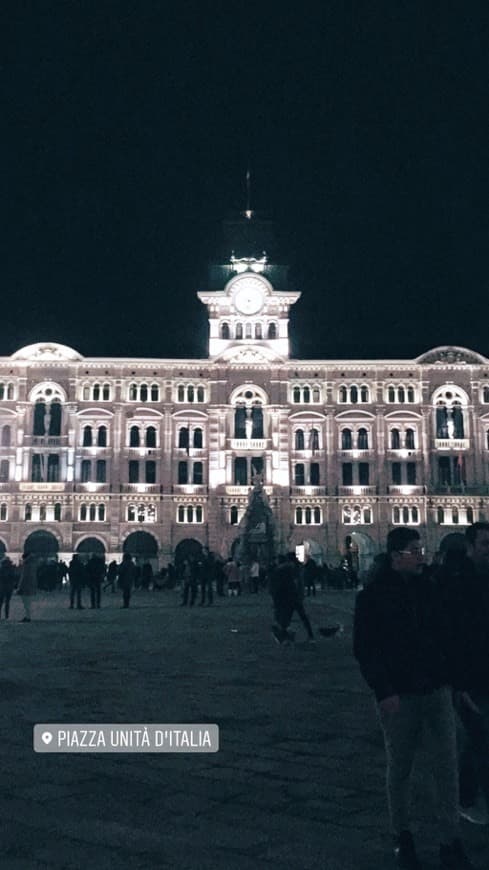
<point>403,415</point>
<point>306,416</point>
<point>250,355</point>
<point>451,355</point>
<point>355,415</point>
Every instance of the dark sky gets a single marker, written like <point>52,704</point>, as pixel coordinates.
<point>128,128</point>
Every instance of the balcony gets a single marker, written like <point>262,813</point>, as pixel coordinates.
<point>189,489</point>
<point>308,490</point>
<point>46,441</point>
<point>248,443</point>
<point>406,489</point>
<point>458,489</point>
<point>244,490</point>
<point>357,490</point>
<point>45,487</point>
<point>452,443</point>
<point>91,486</point>
<point>141,487</point>
<point>356,454</point>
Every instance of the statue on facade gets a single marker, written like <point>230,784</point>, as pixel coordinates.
<point>248,424</point>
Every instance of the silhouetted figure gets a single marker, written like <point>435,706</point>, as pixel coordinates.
<point>111,576</point>
<point>287,599</point>
<point>28,583</point>
<point>7,584</point>
<point>95,577</point>
<point>146,575</point>
<point>189,583</point>
<point>127,577</point>
<point>77,575</point>
<point>310,573</point>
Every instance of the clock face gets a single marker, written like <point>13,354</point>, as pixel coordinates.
<point>248,295</point>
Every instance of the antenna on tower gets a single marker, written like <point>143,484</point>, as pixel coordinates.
<point>248,211</point>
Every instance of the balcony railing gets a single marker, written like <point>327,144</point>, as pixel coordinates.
<point>189,489</point>
<point>141,487</point>
<point>357,490</point>
<point>46,441</point>
<point>244,490</point>
<point>406,489</point>
<point>37,486</point>
<point>248,443</point>
<point>452,443</point>
<point>308,490</point>
<point>457,489</point>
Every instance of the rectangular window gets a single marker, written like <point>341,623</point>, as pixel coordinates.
<point>133,471</point>
<point>53,468</point>
<point>314,473</point>
<point>240,471</point>
<point>396,473</point>
<point>299,476</point>
<point>101,471</point>
<point>411,473</point>
<point>4,471</point>
<point>150,471</point>
<point>347,474</point>
<point>363,473</point>
<point>182,473</point>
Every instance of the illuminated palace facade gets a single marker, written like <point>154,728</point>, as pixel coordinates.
<point>101,454</point>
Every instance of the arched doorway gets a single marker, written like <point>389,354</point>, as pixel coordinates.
<point>43,544</point>
<point>189,548</point>
<point>312,550</point>
<point>143,546</point>
<point>44,547</point>
<point>363,550</point>
<point>90,547</point>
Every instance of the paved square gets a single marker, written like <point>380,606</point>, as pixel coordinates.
<point>299,778</point>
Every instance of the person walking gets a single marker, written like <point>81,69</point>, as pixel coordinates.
<point>310,573</point>
<point>77,575</point>
<point>233,576</point>
<point>111,578</point>
<point>287,600</point>
<point>28,583</point>
<point>399,645</point>
<point>205,571</point>
<point>127,578</point>
<point>7,583</point>
<point>189,583</point>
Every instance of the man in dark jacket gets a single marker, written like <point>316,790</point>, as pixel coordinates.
<point>127,578</point>
<point>287,599</point>
<point>465,591</point>
<point>78,576</point>
<point>398,641</point>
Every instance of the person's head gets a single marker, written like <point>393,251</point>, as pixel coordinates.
<point>477,537</point>
<point>405,551</point>
<point>127,557</point>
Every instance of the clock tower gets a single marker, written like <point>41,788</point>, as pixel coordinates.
<point>249,307</point>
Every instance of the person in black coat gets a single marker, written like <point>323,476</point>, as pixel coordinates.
<point>8,577</point>
<point>287,599</point>
<point>77,575</point>
<point>127,578</point>
<point>399,643</point>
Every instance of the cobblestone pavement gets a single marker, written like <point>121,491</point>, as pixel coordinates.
<point>299,778</point>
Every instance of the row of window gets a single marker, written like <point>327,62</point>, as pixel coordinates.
<point>248,330</point>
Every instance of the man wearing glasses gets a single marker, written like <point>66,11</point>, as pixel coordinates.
<point>398,644</point>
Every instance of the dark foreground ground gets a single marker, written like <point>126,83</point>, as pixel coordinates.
<point>299,778</point>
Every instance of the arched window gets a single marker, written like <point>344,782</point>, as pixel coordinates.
<point>87,436</point>
<point>485,395</point>
<point>314,440</point>
<point>314,474</point>
<point>39,415</point>
<point>106,392</point>
<point>343,395</point>
<point>42,513</point>
<point>296,395</point>
<point>409,439</point>
<point>391,394</point>
<point>405,515</point>
<point>150,471</point>
<point>4,471</point>
<point>239,331</point>
<point>225,331</point>
<point>143,393</point>
<point>181,393</point>
<point>28,513</point>
<point>101,471</point>
<point>151,436</point>
<point>455,516</point>
<point>346,440</point>
<point>155,393</point>
<point>134,436</point>
<point>190,514</point>
<point>57,512</point>
<point>306,397</point>
<point>401,395</point>
<point>190,393</point>
<point>198,438</point>
<point>307,514</point>
<point>257,421</point>
<point>86,470</point>
<point>317,515</point>
<point>199,514</point>
<point>3,512</point>
<point>131,513</point>
<point>248,332</point>
<point>272,330</point>
<point>200,394</point>
<point>93,513</point>
<point>182,473</point>
<point>440,515</point>
<point>86,393</point>
<point>395,439</point>
<point>102,436</point>
<point>101,513</point>
<point>415,515</point>
<point>470,515</point>
<point>299,439</point>
<point>37,468</point>
<point>316,394</point>
<point>183,436</point>
<point>240,421</point>
<point>362,439</point>
<point>233,515</point>
<point>6,436</point>
<point>396,515</point>
<point>364,395</point>
<point>410,394</point>
<point>83,513</point>
<point>258,330</point>
<point>367,515</point>
<point>96,392</point>
<point>298,515</point>
<point>181,513</point>
<point>133,393</point>
<point>354,395</point>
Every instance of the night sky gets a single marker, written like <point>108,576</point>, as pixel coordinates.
<point>127,132</point>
